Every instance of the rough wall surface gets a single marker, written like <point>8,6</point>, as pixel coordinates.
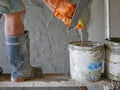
<point>48,37</point>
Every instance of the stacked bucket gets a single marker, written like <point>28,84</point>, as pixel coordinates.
<point>88,59</point>
<point>112,60</point>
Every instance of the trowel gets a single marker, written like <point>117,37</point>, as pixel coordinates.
<point>77,14</point>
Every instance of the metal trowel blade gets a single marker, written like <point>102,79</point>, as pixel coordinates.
<point>77,14</point>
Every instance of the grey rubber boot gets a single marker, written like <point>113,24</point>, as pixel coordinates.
<point>18,56</point>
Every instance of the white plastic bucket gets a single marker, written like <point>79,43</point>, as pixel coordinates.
<point>112,60</point>
<point>86,58</point>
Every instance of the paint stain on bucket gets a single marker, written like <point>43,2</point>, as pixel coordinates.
<point>86,58</point>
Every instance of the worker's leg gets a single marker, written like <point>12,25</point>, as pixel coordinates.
<point>13,27</point>
<point>17,41</point>
<point>14,23</point>
<point>13,11</point>
<point>17,44</point>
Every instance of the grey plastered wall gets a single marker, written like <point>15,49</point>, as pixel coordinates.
<point>48,37</point>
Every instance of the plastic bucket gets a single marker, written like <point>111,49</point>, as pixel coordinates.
<point>86,58</point>
<point>112,60</point>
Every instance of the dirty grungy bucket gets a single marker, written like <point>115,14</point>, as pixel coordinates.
<point>86,58</point>
<point>112,60</point>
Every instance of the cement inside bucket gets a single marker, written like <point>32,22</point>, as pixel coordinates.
<point>86,58</point>
<point>114,40</point>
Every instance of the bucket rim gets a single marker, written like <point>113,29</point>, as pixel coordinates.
<point>94,43</point>
<point>89,46</point>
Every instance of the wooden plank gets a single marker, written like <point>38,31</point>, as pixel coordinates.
<point>52,80</point>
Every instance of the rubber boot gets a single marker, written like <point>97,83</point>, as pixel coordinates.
<point>18,56</point>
